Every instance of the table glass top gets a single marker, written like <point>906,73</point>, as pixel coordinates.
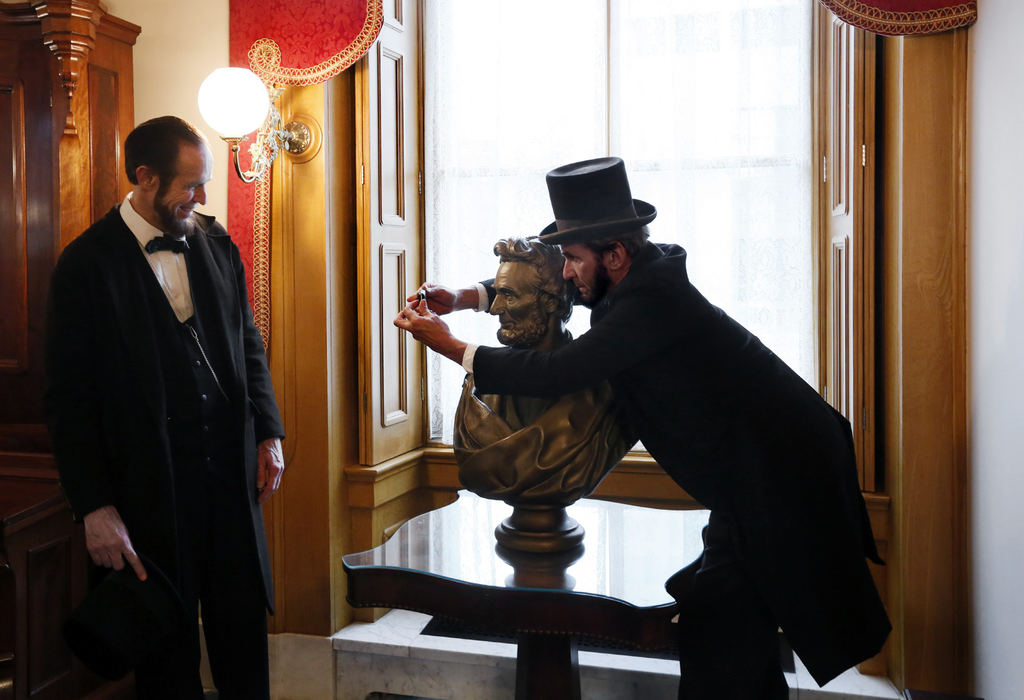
<point>627,553</point>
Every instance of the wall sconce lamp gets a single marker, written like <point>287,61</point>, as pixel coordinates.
<point>235,102</point>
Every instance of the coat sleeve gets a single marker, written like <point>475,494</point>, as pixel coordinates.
<point>72,398</point>
<point>628,334</point>
<point>259,388</point>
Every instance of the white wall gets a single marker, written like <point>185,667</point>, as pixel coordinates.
<point>181,42</point>
<point>997,347</point>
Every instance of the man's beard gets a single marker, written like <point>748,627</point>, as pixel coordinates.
<point>171,224</point>
<point>525,332</point>
<point>600,287</point>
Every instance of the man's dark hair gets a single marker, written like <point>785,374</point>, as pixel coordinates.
<point>632,242</point>
<point>155,144</point>
<point>547,260</point>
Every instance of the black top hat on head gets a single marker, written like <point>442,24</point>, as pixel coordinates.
<point>591,200</point>
<point>123,620</point>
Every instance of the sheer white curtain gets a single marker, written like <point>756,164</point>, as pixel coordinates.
<point>707,102</point>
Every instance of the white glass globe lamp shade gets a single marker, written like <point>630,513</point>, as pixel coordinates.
<point>233,101</point>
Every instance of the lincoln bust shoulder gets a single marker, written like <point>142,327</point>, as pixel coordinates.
<point>532,450</point>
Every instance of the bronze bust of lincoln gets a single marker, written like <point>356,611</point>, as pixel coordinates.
<point>535,451</point>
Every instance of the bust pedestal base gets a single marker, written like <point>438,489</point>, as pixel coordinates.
<point>539,528</point>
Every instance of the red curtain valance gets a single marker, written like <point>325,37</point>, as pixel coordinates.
<point>905,17</point>
<point>302,42</point>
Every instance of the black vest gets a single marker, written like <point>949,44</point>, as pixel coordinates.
<point>203,439</point>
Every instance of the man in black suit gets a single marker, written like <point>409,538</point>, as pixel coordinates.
<point>726,419</point>
<point>162,414</point>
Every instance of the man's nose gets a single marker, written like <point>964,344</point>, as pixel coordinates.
<point>199,195</point>
<point>567,271</point>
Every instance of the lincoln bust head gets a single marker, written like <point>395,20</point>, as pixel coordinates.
<point>532,301</point>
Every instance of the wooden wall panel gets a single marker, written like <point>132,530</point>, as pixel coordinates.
<point>391,144</point>
<point>104,140</point>
<point>841,376</point>
<point>390,237</point>
<point>13,234</point>
<point>27,234</point>
<point>840,117</point>
<point>923,329</point>
<point>8,601</point>
<point>393,13</point>
<point>394,402</point>
<point>49,604</point>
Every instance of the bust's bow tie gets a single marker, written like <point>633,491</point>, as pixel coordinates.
<point>174,245</point>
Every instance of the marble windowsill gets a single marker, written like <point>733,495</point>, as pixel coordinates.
<point>392,656</point>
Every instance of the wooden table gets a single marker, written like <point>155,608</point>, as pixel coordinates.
<point>447,563</point>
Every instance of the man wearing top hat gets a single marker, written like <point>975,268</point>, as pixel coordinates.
<point>729,422</point>
<point>163,418</point>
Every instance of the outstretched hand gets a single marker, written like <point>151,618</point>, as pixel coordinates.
<point>444,300</point>
<point>106,538</point>
<point>428,328</point>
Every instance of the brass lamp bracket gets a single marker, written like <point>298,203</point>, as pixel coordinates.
<point>299,137</point>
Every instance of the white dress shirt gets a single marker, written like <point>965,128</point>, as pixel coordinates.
<point>482,305</point>
<point>169,267</point>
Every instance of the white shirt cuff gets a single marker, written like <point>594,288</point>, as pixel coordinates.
<point>482,303</point>
<point>467,357</point>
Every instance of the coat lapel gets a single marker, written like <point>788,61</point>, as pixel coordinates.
<point>213,291</point>
<point>132,279</point>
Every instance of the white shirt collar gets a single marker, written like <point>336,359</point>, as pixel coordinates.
<point>143,230</point>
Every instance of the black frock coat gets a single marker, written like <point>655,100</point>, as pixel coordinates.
<point>105,395</point>
<point>743,434</point>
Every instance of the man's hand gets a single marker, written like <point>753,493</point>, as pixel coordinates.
<point>269,468</point>
<point>443,300</point>
<point>428,328</point>
<point>108,543</point>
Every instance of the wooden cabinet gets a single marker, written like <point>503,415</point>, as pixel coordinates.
<point>66,104</point>
<point>42,573</point>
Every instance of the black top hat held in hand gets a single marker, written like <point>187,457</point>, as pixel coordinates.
<point>123,620</point>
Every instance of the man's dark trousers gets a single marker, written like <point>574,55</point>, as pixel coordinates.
<point>728,639</point>
<point>217,566</point>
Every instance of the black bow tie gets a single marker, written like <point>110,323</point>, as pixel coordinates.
<point>174,245</point>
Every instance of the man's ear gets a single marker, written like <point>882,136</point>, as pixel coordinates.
<point>615,258</point>
<point>147,178</point>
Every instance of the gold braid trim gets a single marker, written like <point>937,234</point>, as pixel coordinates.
<point>261,260</point>
<point>265,61</point>
<point>891,23</point>
<point>265,54</point>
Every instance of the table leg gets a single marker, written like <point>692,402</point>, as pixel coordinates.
<point>547,667</point>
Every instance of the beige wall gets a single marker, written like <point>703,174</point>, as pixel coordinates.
<point>181,42</point>
<point>996,250</point>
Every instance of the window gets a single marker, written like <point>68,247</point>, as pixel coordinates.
<point>707,103</point>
